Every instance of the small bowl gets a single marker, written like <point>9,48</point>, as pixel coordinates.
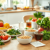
<point>24,41</point>
<point>30,33</point>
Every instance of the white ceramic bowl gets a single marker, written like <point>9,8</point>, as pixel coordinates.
<point>24,41</point>
<point>30,33</point>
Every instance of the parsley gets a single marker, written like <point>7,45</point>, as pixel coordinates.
<point>1,43</point>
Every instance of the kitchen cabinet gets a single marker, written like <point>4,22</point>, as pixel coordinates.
<point>4,18</point>
<point>14,18</point>
<point>47,14</point>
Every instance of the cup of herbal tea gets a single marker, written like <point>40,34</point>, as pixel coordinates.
<point>38,36</point>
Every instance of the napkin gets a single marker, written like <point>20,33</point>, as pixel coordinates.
<point>37,44</point>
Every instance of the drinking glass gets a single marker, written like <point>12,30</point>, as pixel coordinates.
<point>28,24</point>
<point>38,36</point>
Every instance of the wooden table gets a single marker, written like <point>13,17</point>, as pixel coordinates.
<point>14,45</point>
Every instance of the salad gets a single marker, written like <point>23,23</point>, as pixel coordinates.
<point>13,32</point>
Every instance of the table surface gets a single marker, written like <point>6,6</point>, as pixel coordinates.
<point>14,45</point>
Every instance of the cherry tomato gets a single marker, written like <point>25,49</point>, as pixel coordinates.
<point>1,24</point>
<point>34,20</point>
<point>0,37</point>
<point>5,37</point>
<point>39,18</point>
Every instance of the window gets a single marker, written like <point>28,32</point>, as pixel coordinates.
<point>4,3</point>
<point>8,3</point>
<point>23,3</point>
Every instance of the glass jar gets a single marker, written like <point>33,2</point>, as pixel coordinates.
<point>28,24</point>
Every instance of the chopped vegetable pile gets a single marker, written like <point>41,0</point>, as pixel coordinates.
<point>13,32</point>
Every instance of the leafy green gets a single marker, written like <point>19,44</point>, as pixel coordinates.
<point>1,43</point>
<point>46,35</point>
<point>26,28</point>
<point>13,32</point>
<point>30,18</point>
<point>45,22</point>
<point>38,15</point>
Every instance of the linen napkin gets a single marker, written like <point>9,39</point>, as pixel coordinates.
<point>37,44</point>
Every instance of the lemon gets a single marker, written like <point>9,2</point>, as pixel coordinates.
<point>25,7</point>
<point>6,25</point>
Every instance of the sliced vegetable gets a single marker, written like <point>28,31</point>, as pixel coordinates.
<point>34,20</point>
<point>5,37</point>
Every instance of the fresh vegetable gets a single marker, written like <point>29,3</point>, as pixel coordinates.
<point>0,37</point>
<point>26,28</point>
<point>46,35</point>
<point>34,20</point>
<point>13,32</point>
<point>38,15</point>
<point>5,37</point>
<point>1,24</point>
<point>39,18</point>
<point>1,43</point>
<point>30,18</point>
<point>40,30</point>
<point>44,22</point>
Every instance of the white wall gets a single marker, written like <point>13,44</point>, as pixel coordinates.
<point>43,2</point>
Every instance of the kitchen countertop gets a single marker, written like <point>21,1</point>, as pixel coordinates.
<point>14,11</point>
<point>41,10</point>
<point>17,11</point>
<point>14,45</point>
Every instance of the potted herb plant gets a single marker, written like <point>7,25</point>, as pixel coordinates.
<point>0,6</point>
<point>15,2</point>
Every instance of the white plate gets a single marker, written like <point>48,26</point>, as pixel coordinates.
<point>16,35</point>
<point>6,40</point>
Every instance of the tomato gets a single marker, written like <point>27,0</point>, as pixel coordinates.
<point>1,24</point>
<point>39,18</point>
<point>40,30</point>
<point>1,37</point>
<point>5,37</point>
<point>34,20</point>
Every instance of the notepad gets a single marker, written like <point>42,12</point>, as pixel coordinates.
<point>37,44</point>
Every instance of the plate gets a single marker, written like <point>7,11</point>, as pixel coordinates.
<point>6,40</point>
<point>16,35</point>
